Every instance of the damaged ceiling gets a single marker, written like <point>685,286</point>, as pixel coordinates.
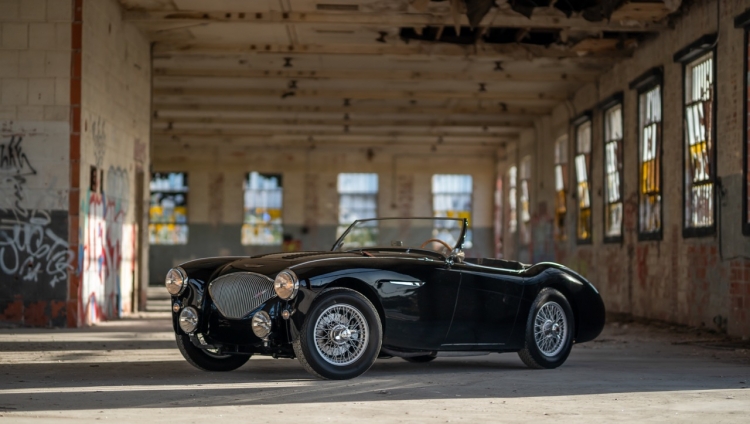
<point>435,74</point>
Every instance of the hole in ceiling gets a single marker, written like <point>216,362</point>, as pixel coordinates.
<point>468,36</point>
<point>337,7</point>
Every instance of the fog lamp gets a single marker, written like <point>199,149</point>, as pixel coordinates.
<point>261,324</point>
<point>286,284</point>
<point>189,319</point>
<point>175,281</point>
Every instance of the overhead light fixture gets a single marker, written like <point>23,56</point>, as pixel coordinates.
<point>288,62</point>
<point>498,66</point>
<point>381,38</point>
<point>482,87</point>
<point>292,85</point>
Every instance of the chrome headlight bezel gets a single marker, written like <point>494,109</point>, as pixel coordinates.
<point>176,274</point>
<point>188,320</point>
<point>261,324</point>
<point>282,283</point>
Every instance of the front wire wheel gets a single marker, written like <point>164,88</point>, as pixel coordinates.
<point>341,335</point>
<point>549,331</point>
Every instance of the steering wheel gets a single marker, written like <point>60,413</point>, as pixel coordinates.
<point>436,241</point>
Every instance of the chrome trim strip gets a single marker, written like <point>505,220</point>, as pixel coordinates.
<point>407,283</point>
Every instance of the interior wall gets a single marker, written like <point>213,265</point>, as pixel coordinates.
<point>114,154</point>
<point>310,198</point>
<point>698,281</point>
<point>35,256</point>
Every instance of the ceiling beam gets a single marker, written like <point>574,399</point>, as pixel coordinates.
<point>376,75</point>
<point>161,122</point>
<point>359,94</point>
<point>492,110</point>
<point>414,49</point>
<point>313,136</point>
<point>542,17</point>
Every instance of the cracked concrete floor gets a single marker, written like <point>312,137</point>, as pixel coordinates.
<point>130,370</point>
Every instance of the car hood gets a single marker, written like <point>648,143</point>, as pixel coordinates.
<point>272,264</point>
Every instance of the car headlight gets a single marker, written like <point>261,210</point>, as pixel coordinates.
<point>175,282</point>
<point>261,324</point>
<point>286,284</point>
<point>189,319</point>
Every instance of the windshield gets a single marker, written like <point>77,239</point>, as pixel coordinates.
<point>411,233</point>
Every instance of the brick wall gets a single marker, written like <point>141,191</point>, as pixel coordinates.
<point>696,281</point>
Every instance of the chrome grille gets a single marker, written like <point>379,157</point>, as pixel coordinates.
<point>236,295</point>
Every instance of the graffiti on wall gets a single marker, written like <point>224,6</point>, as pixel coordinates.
<point>106,244</point>
<point>33,241</point>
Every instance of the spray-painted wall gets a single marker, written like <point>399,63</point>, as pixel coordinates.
<point>115,99</point>
<point>35,257</point>
<point>310,206</point>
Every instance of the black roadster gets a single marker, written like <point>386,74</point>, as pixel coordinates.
<point>389,287</point>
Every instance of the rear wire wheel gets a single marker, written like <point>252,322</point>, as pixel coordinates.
<point>549,331</point>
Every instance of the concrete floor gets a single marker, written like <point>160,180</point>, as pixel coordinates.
<point>130,370</point>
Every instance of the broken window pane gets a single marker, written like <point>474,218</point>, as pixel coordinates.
<point>168,208</point>
<point>358,199</point>
<point>613,207</point>
<point>512,217</point>
<point>582,163</point>
<point>561,186</point>
<point>649,123</point>
<point>699,120</point>
<point>524,199</point>
<point>451,198</point>
<point>262,209</point>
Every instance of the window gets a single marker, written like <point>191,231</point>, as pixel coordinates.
<point>499,217</point>
<point>358,199</point>
<point>524,200</point>
<point>649,192</point>
<point>451,198</point>
<point>699,146</point>
<point>561,186</point>
<point>512,217</point>
<point>262,217</point>
<point>583,170</point>
<point>613,207</point>
<point>168,208</point>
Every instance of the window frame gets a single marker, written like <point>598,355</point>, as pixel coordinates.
<point>703,46</point>
<point>281,224</point>
<point>743,21</point>
<point>576,124</point>
<point>605,106</point>
<point>524,226</point>
<point>649,80</point>
<point>513,200</point>
<point>560,233</point>
<point>186,225</point>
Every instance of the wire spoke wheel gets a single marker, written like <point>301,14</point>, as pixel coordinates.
<point>341,334</point>
<point>550,329</point>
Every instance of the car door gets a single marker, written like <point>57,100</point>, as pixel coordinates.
<point>486,310</point>
<point>418,298</point>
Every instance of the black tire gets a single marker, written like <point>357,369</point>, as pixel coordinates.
<point>420,359</point>
<point>206,361</point>
<point>312,357</point>
<point>553,353</point>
